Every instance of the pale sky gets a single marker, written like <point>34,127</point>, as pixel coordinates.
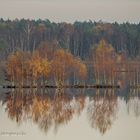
<point>72,10</point>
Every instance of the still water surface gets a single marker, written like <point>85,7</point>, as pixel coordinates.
<point>70,114</point>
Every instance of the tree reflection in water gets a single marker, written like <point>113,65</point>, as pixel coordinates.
<point>102,110</point>
<point>133,102</point>
<point>55,108</point>
<point>43,109</point>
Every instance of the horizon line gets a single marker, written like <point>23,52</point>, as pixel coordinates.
<point>72,22</point>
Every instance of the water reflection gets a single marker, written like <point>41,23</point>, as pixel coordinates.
<point>133,102</point>
<point>102,110</point>
<point>44,109</point>
<point>51,108</point>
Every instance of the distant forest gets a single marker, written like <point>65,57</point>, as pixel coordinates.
<point>78,38</point>
<point>38,53</point>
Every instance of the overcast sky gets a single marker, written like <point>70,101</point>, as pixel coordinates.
<point>71,10</point>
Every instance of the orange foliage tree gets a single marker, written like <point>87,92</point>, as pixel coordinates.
<point>34,68</point>
<point>104,62</point>
<point>23,67</point>
<point>80,69</point>
<point>15,64</point>
<point>64,64</point>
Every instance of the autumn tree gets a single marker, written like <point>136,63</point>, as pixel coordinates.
<point>15,67</point>
<point>80,69</point>
<point>104,62</point>
<point>64,64</point>
<point>61,66</point>
<point>23,67</point>
<point>45,65</point>
<point>35,67</point>
<point>39,68</point>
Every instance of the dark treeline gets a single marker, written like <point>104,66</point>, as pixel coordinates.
<point>78,38</point>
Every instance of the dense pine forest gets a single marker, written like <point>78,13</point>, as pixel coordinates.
<point>78,38</point>
<point>38,52</point>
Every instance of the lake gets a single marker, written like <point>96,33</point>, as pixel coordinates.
<point>101,114</point>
